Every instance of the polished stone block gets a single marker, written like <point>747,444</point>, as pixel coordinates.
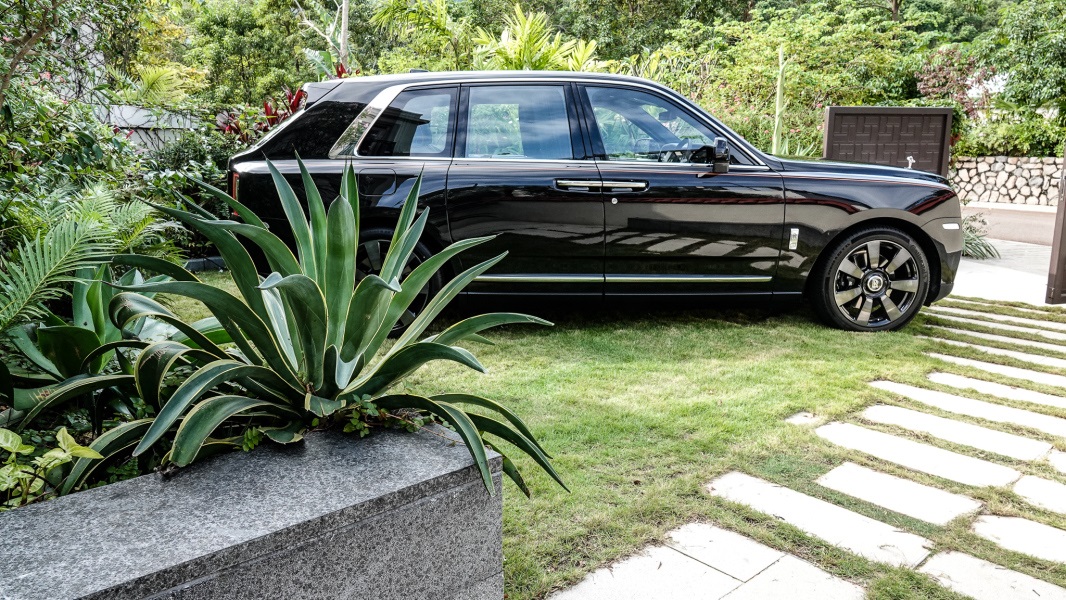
<point>391,516</point>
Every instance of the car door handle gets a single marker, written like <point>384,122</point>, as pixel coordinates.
<point>584,184</point>
<point>634,186</point>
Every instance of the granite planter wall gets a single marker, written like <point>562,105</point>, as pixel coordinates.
<point>388,517</point>
<point>1008,179</point>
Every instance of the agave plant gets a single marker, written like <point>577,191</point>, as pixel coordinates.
<point>309,342</point>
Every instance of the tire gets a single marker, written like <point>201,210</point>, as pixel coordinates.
<point>373,245</point>
<point>874,280</point>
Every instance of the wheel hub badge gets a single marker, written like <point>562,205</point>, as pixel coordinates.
<point>875,284</point>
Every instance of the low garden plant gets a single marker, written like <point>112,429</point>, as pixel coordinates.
<point>304,348</point>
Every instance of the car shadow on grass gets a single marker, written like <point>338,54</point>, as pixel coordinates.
<point>577,311</point>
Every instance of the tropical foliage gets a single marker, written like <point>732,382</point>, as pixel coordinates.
<point>309,343</point>
<point>27,475</point>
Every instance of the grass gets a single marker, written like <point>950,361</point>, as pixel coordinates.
<point>643,407</point>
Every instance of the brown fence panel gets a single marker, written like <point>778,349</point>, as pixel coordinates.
<point>1056,277</point>
<point>917,138</point>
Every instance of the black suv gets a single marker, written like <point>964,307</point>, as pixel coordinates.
<point>609,185</point>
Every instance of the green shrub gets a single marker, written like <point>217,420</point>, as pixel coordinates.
<point>1028,135</point>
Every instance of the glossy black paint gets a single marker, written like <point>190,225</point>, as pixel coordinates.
<point>686,221</point>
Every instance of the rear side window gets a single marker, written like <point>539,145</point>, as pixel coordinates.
<point>310,132</point>
<point>518,122</point>
<point>417,123</point>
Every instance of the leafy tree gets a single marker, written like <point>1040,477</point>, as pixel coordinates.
<point>56,37</point>
<point>250,51</point>
<point>1030,48</point>
<point>837,53</point>
<point>626,27</point>
<point>528,41</point>
<point>432,33</point>
<point>951,21</point>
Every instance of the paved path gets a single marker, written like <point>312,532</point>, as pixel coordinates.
<point>1019,275</point>
<point>958,426</point>
<point>1024,223</point>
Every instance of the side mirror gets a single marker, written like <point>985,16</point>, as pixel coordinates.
<point>720,156</point>
<point>715,154</point>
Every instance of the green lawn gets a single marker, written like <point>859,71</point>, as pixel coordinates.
<point>641,409</point>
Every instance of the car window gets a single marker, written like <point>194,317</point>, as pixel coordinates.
<point>417,123</point>
<point>518,122</point>
<point>639,126</point>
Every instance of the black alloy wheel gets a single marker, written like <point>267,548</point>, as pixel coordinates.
<point>875,280</point>
<point>369,258</point>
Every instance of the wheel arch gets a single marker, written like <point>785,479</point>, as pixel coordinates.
<point>386,219</point>
<point>932,257</point>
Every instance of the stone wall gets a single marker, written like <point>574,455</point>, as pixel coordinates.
<point>392,516</point>
<point>1008,179</point>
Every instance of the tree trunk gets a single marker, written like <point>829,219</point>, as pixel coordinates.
<point>343,53</point>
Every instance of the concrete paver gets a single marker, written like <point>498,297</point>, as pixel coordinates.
<point>919,457</point>
<point>978,408</point>
<point>1023,535</point>
<point>989,316</point>
<point>1047,494</point>
<point>897,494</point>
<point>839,526</point>
<point>1006,339</point>
<point>982,438</point>
<point>796,579</point>
<point>1036,359</point>
<point>999,390</point>
<point>1015,372</point>
<point>982,580</point>
<point>1051,335</point>
<point>657,573</point>
<point>727,551</point>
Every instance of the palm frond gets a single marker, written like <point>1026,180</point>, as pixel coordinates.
<point>44,265</point>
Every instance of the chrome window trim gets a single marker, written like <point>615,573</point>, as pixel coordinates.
<point>386,96</point>
<point>687,278</point>
<point>532,278</point>
<point>539,278</point>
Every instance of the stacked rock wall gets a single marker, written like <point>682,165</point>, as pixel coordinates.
<point>1008,179</point>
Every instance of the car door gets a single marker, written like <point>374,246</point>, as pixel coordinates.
<point>522,173</point>
<point>674,226</point>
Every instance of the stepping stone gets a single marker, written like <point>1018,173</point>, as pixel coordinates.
<point>977,304</point>
<point>841,527</point>
<point>897,494</point>
<point>659,572</point>
<point>1051,335</point>
<point>1004,339</point>
<point>1036,359</point>
<point>982,438</point>
<point>982,580</point>
<point>998,389</point>
<point>802,418</point>
<point>1037,323</point>
<point>1025,536</point>
<point>735,555</point>
<point>795,579</point>
<point>1047,494</point>
<point>1015,372</point>
<point>1058,460</point>
<point>919,457</point>
<point>977,408</point>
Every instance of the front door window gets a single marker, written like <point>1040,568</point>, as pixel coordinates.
<point>640,127</point>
